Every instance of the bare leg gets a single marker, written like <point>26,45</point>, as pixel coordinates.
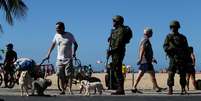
<point>153,79</point>
<point>70,80</point>
<point>187,80</point>
<point>193,80</point>
<point>62,78</point>
<point>63,85</point>
<point>155,84</point>
<point>140,75</point>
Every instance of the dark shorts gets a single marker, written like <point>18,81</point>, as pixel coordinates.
<point>146,67</point>
<point>190,69</point>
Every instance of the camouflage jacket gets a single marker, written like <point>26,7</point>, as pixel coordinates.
<point>176,46</point>
<point>117,38</point>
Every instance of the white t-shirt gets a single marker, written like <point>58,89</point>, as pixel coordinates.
<point>64,45</point>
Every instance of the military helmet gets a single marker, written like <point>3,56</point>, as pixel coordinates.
<point>118,18</point>
<point>175,23</point>
<point>9,45</point>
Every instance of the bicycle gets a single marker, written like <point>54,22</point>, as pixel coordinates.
<point>44,70</point>
<point>11,79</point>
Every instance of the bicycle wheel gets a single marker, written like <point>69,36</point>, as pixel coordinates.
<point>1,79</point>
<point>11,82</point>
<point>59,84</point>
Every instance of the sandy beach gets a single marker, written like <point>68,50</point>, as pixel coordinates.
<point>145,83</point>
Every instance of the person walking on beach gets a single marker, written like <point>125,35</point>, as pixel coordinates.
<point>10,58</point>
<point>176,48</point>
<point>120,36</point>
<point>64,41</point>
<point>191,68</point>
<point>145,60</point>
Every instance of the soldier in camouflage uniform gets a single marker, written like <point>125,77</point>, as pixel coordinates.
<point>118,40</point>
<point>176,48</point>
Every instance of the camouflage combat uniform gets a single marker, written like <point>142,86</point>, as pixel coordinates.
<point>176,47</point>
<point>118,48</point>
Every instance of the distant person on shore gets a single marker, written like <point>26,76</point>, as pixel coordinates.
<point>176,48</point>
<point>65,53</point>
<point>124,70</point>
<point>90,70</point>
<point>10,58</point>
<point>191,68</point>
<point>145,61</point>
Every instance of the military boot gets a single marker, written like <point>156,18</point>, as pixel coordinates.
<point>120,90</point>
<point>183,91</point>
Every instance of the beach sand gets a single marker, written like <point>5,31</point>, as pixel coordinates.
<point>145,82</point>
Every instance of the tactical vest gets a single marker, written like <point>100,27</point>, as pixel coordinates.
<point>179,46</point>
<point>123,34</point>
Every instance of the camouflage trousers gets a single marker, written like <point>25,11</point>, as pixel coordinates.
<point>117,60</point>
<point>176,68</point>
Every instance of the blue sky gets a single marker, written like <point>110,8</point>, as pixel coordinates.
<point>90,22</point>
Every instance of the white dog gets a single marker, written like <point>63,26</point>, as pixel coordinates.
<point>25,82</point>
<point>87,86</point>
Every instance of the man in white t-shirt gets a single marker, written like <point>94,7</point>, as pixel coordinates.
<point>64,41</point>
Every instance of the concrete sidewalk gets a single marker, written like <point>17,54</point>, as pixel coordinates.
<point>145,92</point>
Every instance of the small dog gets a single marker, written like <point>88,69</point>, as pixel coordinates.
<point>87,86</point>
<point>40,85</point>
<point>25,82</point>
<point>90,79</point>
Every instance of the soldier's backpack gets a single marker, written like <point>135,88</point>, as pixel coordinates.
<point>198,84</point>
<point>128,35</point>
